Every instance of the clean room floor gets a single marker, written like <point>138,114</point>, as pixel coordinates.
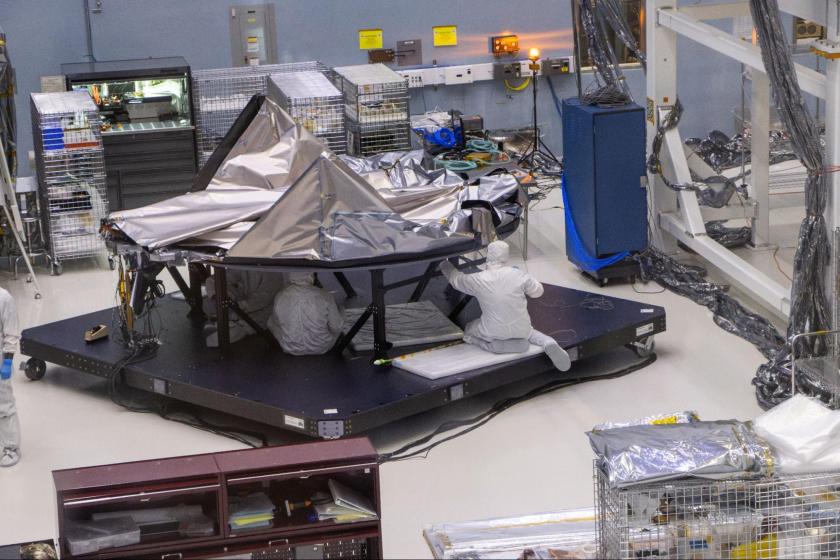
<point>532,458</point>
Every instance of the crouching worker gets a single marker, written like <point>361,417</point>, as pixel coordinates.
<point>306,320</point>
<point>502,292</point>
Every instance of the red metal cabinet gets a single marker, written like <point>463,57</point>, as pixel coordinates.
<point>126,500</point>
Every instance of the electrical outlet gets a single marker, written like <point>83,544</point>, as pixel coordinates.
<point>457,75</point>
<point>414,77</point>
<point>556,66</point>
<point>506,71</point>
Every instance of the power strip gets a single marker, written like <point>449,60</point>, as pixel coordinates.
<point>462,73</point>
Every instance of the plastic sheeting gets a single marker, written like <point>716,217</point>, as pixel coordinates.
<point>680,417</point>
<point>569,534</point>
<point>407,324</point>
<point>458,358</point>
<point>804,434</point>
<point>654,453</point>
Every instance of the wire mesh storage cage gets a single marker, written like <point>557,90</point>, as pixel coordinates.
<point>220,94</point>
<point>71,173</point>
<point>314,102</point>
<point>773,518</point>
<point>376,105</point>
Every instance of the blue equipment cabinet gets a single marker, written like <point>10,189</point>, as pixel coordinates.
<point>604,171</point>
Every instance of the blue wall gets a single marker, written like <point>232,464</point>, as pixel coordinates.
<point>42,34</point>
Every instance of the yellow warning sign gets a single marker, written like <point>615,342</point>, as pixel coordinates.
<point>445,35</point>
<point>370,39</point>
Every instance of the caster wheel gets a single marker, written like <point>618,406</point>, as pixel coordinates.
<point>602,282</point>
<point>57,269</point>
<point>35,369</point>
<point>38,295</point>
<point>644,347</point>
<point>28,278</point>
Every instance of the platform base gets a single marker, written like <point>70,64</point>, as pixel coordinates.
<point>333,395</point>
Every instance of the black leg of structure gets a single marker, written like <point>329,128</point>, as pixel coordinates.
<point>189,294</point>
<point>459,307</point>
<point>424,281</point>
<point>316,281</point>
<point>265,333</point>
<point>198,274</point>
<point>222,319</point>
<point>348,336</point>
<point>380,341</point>
<point>345,283</point>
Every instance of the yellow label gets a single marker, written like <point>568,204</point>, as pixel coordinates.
<point>252,20</point>
<point>370,39</point>
<point>665,420</point>
<point>253,40</point>
<point>445,35</point>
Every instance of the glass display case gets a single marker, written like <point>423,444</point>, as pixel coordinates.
<point>136,95</point>
<point>146,117</point>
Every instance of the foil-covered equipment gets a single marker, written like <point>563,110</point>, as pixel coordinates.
<point>650,453</point>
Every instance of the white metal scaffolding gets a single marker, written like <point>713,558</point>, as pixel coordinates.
<point>678,216</point>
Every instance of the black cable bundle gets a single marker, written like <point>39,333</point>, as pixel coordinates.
<point>405,452</point>
<point>610,87</point>
<point>690,281</point>
<point>809,308</point>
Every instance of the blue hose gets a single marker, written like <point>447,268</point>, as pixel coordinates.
<point>579,253</point>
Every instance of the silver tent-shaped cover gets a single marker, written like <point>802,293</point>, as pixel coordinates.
<point>268,157</point>
<point>332,214</point>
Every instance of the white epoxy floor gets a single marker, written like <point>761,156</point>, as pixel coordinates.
<point>532,458</point>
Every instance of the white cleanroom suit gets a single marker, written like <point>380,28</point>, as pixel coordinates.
<point>502,292</point>
<point>9,426</point>
<point>306,320</point>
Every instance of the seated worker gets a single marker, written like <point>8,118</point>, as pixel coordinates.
<point>306,319</point>
<point>502,292</point>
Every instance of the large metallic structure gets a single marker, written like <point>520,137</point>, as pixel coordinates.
<point>678,216</point>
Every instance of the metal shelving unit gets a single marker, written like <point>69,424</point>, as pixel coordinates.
<point>71,174</point>
<point>315,103</point>
<point>220,94</point>
<point>376,106</point>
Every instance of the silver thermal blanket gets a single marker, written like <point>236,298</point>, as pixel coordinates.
<point>644,454</point>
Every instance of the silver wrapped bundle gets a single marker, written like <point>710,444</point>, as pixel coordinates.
<point>654,453</point>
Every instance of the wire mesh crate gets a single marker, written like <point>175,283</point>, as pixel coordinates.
<point>376,105</point>
<point>71,173</point>
<point>220,94</point>
<point>314,102</point>
<point>785,517</point>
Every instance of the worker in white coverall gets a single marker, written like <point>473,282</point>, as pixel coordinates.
<point>306,320</point>
<point>9,427</point>
<point>502,292</point>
